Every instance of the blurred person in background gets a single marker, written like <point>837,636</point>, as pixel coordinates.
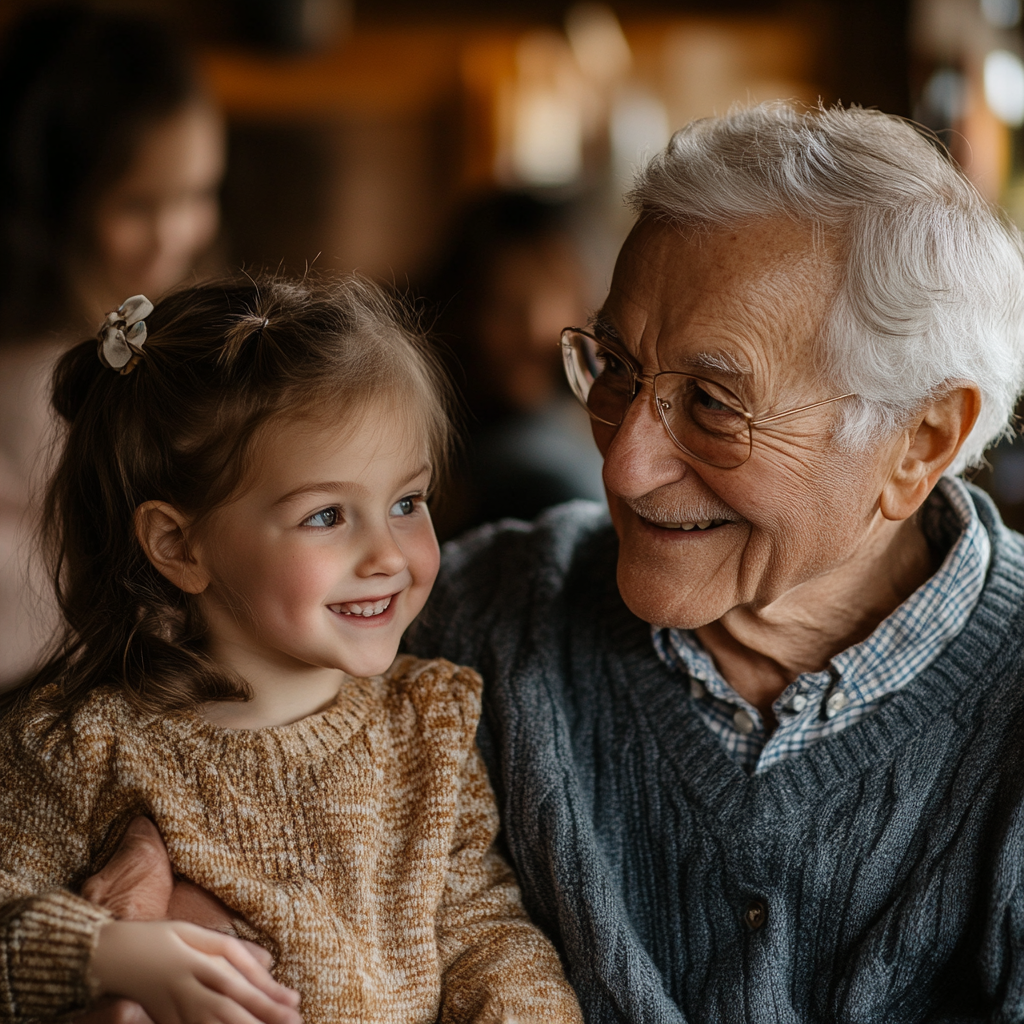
<point>111,158</point>
<point>511,280</point>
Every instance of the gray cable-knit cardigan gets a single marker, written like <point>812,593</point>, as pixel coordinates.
<point>876,877</point>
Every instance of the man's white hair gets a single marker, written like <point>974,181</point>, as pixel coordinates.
<point>933,276</point>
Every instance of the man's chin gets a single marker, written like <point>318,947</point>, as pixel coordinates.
<point>663,604</point>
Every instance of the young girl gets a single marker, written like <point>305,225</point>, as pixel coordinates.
<point>240,537</point>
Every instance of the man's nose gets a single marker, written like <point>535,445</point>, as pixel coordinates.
<point>640,456</point>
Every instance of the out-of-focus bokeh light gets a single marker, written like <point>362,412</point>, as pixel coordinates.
<point>598,42</point>
<point>944,97</point>
<point>639,127</point>
<point>1001,13</point>
<point>1004,86</point>
<point>544,110</point>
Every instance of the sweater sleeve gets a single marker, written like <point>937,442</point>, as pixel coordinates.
<point>497,966</point>
<point>47,934</point>
<point>45,945</point>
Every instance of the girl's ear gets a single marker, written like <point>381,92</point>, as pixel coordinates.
<point>162,532</point>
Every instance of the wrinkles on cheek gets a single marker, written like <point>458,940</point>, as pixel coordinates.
<point>810,518</point>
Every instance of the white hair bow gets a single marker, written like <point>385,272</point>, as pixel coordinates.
<point>123,333</point>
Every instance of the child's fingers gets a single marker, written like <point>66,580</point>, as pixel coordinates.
<point>115,1011</point>
<point>263,957</point>
<point>240,958</point>
<point>238,1001</point>
<point>224,1010</point>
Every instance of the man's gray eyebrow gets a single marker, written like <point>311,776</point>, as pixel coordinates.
<point>600,321</point>
<point>720,362</point>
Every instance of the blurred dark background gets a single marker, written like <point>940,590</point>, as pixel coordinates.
<point>362,133</point>
<point>357,129</point>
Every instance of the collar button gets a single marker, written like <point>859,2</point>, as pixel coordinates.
<point>743,722</point>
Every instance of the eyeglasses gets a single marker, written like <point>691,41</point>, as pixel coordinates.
<point>703,418</point>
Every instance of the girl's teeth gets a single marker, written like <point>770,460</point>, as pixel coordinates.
<point>364,610</point>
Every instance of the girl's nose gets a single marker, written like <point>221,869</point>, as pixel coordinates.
<point>382,555</point>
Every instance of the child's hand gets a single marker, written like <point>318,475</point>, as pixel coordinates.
<point>183,974</point>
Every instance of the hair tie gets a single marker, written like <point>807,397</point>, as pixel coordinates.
<point>123,333</point>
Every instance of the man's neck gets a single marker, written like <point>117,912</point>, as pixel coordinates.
<point>761,651</point>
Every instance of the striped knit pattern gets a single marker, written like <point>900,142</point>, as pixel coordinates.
<point>356,843</point>
<point>875,877</point>
<point>45,945</point>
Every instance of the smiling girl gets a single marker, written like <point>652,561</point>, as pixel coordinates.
<point>240,536</point>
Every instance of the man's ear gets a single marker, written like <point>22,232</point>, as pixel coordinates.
<point>162,532</point>
<point>930,443</point>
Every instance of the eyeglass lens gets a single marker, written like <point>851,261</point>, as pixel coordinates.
<point>701,417</point>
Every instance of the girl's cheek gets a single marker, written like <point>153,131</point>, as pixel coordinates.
<point>311,574</point>
<point>425,560</point>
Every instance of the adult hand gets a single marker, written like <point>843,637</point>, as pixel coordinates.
<point>137,884</point>
<point>183,974</point>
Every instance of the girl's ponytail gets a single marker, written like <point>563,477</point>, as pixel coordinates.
<point>73,378</point>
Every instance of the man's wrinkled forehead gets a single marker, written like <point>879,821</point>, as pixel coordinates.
<point>724,291</point>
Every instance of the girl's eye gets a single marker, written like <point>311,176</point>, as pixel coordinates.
<point>405,507</point>
<point>324,518</point>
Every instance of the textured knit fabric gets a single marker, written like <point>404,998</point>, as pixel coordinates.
<point>356,843</point>
<point>859,680</point>
<point>877,877</point>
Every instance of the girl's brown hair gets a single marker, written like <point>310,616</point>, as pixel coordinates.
<point>221,361</point>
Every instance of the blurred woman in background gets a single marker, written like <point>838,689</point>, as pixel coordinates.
<point>111,158</point>
<point>511,280</point>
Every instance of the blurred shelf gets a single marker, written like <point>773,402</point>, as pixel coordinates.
<point>390,71</point>
<point>373,74</point>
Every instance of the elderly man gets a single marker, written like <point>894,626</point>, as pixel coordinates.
<point>757,741</point>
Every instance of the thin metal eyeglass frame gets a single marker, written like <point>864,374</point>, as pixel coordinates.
<point>639,379</point>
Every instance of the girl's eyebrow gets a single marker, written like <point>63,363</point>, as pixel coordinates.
<point>333,486</point>
<point>321,487</point>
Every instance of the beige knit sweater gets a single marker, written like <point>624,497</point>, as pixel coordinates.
<point>356,843</point>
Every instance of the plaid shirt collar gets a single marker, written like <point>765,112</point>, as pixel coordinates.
<point>859,679</point>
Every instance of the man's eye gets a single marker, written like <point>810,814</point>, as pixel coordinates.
<point>405,507</point>
<point>709,402</point>
<point>323,518</point>
<point>611,364</point>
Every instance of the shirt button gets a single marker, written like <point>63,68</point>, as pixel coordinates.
<point>799,702</point>
<point>697,690</point>
<point>835,704</point>
<point>743,722</point>
<point>755,915</point>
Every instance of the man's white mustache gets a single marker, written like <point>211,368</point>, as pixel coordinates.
<point>698,510</point>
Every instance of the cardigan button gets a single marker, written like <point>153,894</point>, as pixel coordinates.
<point>755,915</point>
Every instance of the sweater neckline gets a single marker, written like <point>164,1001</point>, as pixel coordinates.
<point>714,781</point>
<point>325,731</point>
